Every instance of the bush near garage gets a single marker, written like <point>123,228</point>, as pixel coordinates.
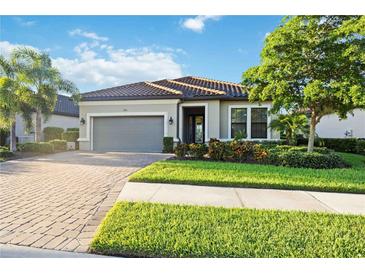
<point>41,147</point>
<point>52,133</point>
<point>70,136</point>
<point>168,144</point>
<point>59,145</point>
<point>5,152</point>
<point>73,129</point>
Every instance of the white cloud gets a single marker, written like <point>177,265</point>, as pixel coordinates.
<point>86,34</point>
<point>24,23</point>
<point>197,23</point>
<point>101,65</point>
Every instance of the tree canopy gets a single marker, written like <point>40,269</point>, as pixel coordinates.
<point>314,65</point>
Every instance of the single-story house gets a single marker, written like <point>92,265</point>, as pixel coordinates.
<point>136,117</point>
<point>65,115</point>
<point>331,126</point>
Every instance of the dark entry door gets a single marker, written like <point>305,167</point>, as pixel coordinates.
<point>195,129</point>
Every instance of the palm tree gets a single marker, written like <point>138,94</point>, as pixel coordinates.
<point>44,80</point>
<point>14,98</point>
<point>291,124</point>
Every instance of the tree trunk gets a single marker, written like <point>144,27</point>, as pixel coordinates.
<point>12,137</point>
<point>312,132</point>
<point>38,126</point>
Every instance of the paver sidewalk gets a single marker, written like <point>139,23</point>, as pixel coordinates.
<point>341,203</point>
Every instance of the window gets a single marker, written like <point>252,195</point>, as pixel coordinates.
<point>238,122</point>
<point>259,123</point>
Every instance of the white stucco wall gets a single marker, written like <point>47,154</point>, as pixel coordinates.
<point>331,127</point>
<point>53,121</point>
<point>216,116</point>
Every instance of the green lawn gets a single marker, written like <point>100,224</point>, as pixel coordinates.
<point>157,230</point>
<point>260,176</point>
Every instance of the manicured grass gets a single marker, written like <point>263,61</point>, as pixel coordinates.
<point>259,176</point>
<point>157,230</point>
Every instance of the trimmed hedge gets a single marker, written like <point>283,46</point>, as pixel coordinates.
<point>5,152</point>
<point>351,145</point>
<point>168,144</point>
<point>73,129</point>
<point>42,147</point>
<point>305,159</point>
<point>70,136</point>
<point>59,145</point>
<point>52,133</point>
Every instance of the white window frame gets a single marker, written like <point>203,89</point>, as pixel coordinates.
<point>206,120</point>
<point>249,107</point>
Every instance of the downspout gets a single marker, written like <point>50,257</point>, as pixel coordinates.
<point>178,121</point>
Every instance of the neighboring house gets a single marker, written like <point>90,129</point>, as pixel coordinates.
<point>65,115</point>
<point>331,126</point>
<point>136,117</point>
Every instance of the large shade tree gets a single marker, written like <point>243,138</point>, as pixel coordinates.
<point>15,98</point>
<point>314,65</point>
<point>45,82</point>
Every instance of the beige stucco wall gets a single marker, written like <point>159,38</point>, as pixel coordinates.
<point>53,121</point>
<point>331,127</point>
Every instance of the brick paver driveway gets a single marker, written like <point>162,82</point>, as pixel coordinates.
<point>57,201</point>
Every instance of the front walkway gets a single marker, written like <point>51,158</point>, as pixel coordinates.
<point>57,201</point>
<point>244,197</point>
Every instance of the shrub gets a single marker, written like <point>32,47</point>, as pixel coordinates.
<point>70,136</point>
<point>322,150</point>
<point>270,144</point>
<point>360,146</point>
<point>305,159</point>
<point>242,150</point>
<point>5,153</point>
<point>181,150</point>
<point>218,150</point>
<point>168,144</point>
<point>73,129</point>
<point>42,147</point>
<point>60,145</point>
<point>340,144</point>
<point>260,153</point>
<point>51,133</point>
<point>198,150</point>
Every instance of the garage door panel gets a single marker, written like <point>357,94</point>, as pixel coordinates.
<point>139,134</point>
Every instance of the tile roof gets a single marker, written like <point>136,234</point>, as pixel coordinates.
<point>189,87</point>
<point>66,106</point>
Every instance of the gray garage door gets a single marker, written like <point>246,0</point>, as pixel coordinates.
<point>135,134</point>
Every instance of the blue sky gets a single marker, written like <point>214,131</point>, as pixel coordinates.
<point>103,51</point>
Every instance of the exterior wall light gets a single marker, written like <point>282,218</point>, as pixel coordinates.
<point>171,121</point>
<point>82,121</point>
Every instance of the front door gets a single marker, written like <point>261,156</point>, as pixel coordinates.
<point>195,129</point>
